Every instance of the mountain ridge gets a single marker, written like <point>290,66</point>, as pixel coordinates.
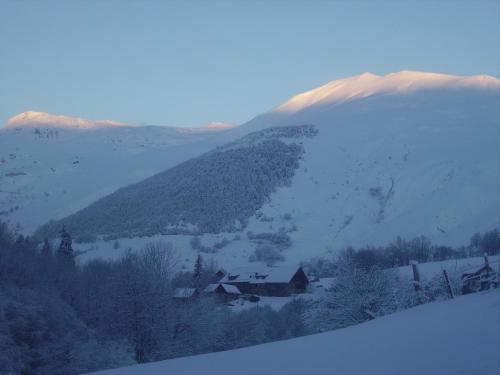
<point>35,119</point>
<point>419,161</point>
<point>331,93</point>
<point>366,84</point>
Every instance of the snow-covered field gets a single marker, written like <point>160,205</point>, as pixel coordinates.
<point>460,336</point>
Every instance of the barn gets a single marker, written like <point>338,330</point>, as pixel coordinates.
<point>267,281</point>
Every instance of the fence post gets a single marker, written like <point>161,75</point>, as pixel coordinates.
<point>448,285</point>
<point>416,281</point>
<point>416,276</point>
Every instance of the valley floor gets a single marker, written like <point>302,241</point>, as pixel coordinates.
<point>460,336</point>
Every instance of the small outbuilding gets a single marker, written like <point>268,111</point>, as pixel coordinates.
<point>481,278</point>
<point>223,292</point>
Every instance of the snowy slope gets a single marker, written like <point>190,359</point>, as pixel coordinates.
<point>460,336</point>
<point>406,154</point>
<point>51,166</point>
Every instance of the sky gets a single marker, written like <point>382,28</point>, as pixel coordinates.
<point>189,63</point>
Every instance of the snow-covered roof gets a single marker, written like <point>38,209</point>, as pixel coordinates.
<point>211,287</point>
<point>184,292</point>
<point>259,275</point>
<point>230,289</point>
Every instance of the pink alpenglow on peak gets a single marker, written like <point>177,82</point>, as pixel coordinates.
<point>208,128</point>
<point>34,119</point>
<point>367,84</point>
<point>216,125</point>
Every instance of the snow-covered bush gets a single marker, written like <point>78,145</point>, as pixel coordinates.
<point>358,295</point>
<point>197,245</point>
<point>266,253</point>
<point>279,240</point>
<point>221,244</point>
<point>95,354</point>
<point>41,334</point>
<point>320,267</point>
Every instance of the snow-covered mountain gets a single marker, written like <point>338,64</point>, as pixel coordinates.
<point>405,154</point>
<point>33,119</point>
<point>218,125</point>
<point>369,91</point>
<point>368,84</point>
<point>53,165</point>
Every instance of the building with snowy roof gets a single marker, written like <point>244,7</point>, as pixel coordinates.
<point>267,281</point>
<point>224,292</point>
<point>480,278</point>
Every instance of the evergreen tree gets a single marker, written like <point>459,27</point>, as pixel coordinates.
<point>65,251</point>
<point>5,236</point>
<point>19,244</point>
<point>198,269</point>
<point>46,249</point>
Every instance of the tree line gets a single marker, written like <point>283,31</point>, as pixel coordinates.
<point>58,317</point>
<point>401,252</point>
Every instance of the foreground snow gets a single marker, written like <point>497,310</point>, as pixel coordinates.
<point>460,336</point>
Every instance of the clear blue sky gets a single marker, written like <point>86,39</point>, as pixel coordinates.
<point>188,63</point>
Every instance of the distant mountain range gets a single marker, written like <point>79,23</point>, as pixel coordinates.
<point>51,165</point>
<point>33,119</point>
<point>405,154</point>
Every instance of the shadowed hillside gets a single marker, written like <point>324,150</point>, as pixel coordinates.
<point>217,191</point>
